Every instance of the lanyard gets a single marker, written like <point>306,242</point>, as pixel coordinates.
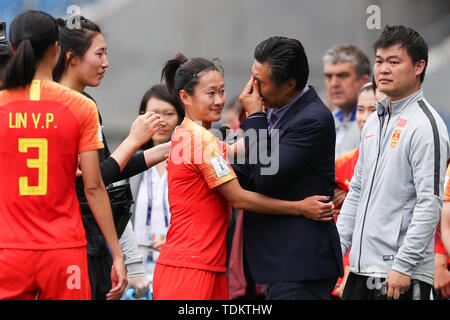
<point>150,199</point>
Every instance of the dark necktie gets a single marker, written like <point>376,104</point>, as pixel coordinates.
<point>272,121</point>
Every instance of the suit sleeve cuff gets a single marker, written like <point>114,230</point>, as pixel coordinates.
<point>257,122</point>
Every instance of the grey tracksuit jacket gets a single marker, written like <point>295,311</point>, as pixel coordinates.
<point>391,211</point>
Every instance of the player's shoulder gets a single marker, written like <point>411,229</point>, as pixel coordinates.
<point>72,98</point>
<point>10,95</point>
<point>194,130</point>
<point>347,155</point>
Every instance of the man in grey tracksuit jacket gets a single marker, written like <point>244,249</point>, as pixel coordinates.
<point>390,214</point>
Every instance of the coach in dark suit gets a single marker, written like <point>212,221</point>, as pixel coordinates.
<point>299,257</point>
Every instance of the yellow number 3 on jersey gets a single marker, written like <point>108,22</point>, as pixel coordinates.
<point>40,163</point>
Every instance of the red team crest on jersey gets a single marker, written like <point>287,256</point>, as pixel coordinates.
<point>401,123</point>
<point>395,138</point>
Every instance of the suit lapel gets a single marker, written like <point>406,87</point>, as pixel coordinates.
<point>296,108</point>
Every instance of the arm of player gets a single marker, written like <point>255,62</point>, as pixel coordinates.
<point>99,204</point>
<point>441,281</point>
<point>157,154</point>
<point>445,225</point>
<point>142,130</point>
<point>315,207</point>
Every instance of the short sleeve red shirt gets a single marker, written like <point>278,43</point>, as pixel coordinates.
<point>43,127</point>
<point>438,245</point>
<point>345,167</point>
<point>197,164</point>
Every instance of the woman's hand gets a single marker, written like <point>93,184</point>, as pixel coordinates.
<point>317,208</point>
<point>144,127</point>
<point>119,280</point>
<point>159,244</point>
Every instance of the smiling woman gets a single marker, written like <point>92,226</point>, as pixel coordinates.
<point>206,103</point>
<point>202,187</point>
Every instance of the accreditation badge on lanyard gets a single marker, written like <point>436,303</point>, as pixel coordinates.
<point>155,230</point>
<point>150,199</point>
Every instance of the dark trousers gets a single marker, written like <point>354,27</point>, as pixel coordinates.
<point>302,290</point>
<point>364,288</point>
<point>99,259</point>
<point>100,275</point>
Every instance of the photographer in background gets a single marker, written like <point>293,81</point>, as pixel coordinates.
<point>5,51</point>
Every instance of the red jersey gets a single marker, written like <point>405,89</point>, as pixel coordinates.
<point>345,167</point>
<point>197,164</point>
<point>438,245</point>
<point>43,127</point>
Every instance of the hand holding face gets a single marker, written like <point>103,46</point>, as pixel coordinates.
<point>250,97</point>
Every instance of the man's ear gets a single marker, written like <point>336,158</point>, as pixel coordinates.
<point>290,85</point>
<point>420,66</point>
<point>12,48</point>
<point>364,79</point>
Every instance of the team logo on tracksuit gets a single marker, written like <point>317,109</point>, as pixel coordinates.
<point>399,126</point>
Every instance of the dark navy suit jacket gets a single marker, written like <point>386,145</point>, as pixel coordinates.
<point>293,248</point>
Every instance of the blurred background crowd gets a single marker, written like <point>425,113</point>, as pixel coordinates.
<point>142,34</point>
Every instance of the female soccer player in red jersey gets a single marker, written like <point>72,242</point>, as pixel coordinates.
<point>202,185</point>
<point>83,63</point>
<point>44,127</point>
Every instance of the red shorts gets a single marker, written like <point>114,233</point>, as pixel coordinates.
<point>60,274</point>
<point>177,283</point>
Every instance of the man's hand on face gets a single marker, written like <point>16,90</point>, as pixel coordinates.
<point>250,97</point>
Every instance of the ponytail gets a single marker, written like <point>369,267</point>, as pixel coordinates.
<point>170,70</point>
<point>21,68</point>
<point>31,34</point>
<point>181,73</point>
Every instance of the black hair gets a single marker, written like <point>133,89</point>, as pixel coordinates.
<point>31,33</point>
<point>5,55</point>
<point>370,86</point>
<point>160,91</point>
<point>406,38</point>
<point>181,73</point>
<point>76,40</point>
<point>286,58</point>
